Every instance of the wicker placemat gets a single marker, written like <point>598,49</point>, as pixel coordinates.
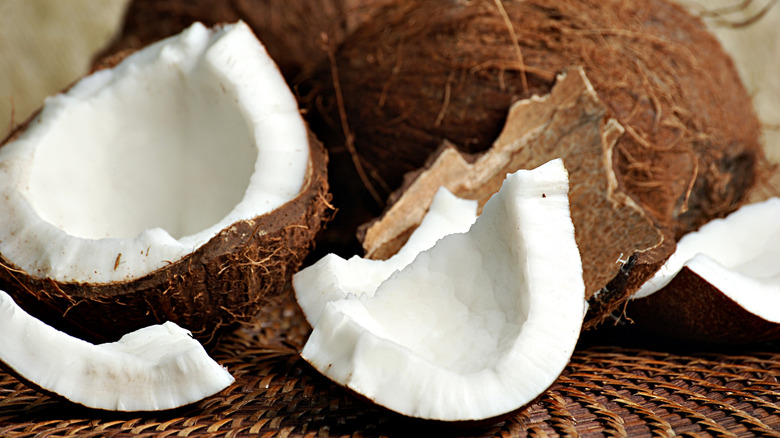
<point>607,390</point>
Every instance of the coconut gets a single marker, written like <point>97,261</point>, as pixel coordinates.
<point>721,285</point>
<point>295,32</point>
<point>423,72</point>
<point>180,185</point>
<point>468,327</point>
<point>154,368</point>
<point>569,123</point>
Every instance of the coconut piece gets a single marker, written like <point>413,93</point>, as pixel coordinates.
<point>570,122</point>
<point>180,185</point>
<point>722,284</point>
<point>476,326</point>
<point>154,368</point>
<point>420,73</point>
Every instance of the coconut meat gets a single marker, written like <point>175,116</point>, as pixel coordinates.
<point>138,165</point>
<point>447,214</point>
<point>476,326</point>
<point>737,254</point>
<point>154,368</point>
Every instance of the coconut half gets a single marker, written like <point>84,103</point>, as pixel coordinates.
<point>154,368</point>
<point>476,326</point>
<point>722,284</point>
<point>181,184</point>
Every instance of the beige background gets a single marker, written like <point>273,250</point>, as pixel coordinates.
<point>756,51</point>
<point>47,44</point>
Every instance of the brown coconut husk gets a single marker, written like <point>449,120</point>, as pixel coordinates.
<point>225,282</point>
<point>293,31</point>
<point>422,72</point>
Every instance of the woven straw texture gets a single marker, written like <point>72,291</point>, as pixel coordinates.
<point>607,390</point>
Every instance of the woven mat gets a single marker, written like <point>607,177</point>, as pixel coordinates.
<point>607,390</point>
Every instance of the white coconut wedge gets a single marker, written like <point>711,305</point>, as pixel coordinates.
<point>477,326</point>
<point>181,184</point>
<point>154,368</point>
<point>722,284</point>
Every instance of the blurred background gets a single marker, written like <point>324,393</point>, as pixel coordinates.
<point>749,30</point>
<point>47,44</point>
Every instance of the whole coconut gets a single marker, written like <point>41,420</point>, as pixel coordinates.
<point>421,72</point>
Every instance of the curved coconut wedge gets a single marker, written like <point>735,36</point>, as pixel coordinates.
<point>476,326</point>
<point>181,184</point>
<point>154,368</point>
<point>722,284</point>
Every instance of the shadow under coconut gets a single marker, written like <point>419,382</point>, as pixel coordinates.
<point>624,333</point>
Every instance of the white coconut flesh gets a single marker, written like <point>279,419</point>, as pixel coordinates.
<point>333,278</point>
<point>154,368</point>
<point>136,166</point>
<point>478,325</point>
<point>738,255</point>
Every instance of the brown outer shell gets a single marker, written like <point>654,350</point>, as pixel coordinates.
<point>224,282</point>
<point>690,308</point>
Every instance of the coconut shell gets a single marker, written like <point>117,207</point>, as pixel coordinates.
<point>691,309</point>
<point>224,282</point>
<point>293,31</point>
<point>422,72</point>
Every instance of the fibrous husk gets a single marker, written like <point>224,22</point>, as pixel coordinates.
<point>569,123</point>
<point>293,31</point>
<point>420,73</point>
<point>223,283</point>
